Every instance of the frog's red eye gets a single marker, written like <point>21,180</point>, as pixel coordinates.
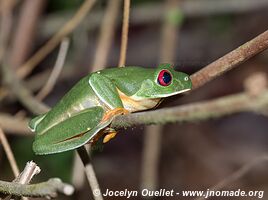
<point>164,78</point>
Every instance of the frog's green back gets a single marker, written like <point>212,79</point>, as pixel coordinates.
<point>128,79</point>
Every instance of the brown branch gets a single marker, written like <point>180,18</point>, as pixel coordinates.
<point>230,60</point>
<point>55,40</point>
<point>124,36</point>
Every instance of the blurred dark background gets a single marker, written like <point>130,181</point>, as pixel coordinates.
<point>193,156</point>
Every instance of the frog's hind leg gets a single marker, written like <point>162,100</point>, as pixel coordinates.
<point>72,132</point>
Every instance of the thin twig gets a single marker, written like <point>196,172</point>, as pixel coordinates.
<point>107,31</point>
<point>25,69</point>
<point>78,175</point>
<point>90,173</point>
<point>236,175</point>
<point>30,170</point>
<point>56,70</point>
<point>124,36</point>
<point>48,189</point>
<point>10,155</point>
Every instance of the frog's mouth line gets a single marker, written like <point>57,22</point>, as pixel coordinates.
<point>175,93</point>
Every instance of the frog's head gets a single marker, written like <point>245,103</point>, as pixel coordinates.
<point>164,82</point>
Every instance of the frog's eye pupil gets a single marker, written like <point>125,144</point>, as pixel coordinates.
<point>164,77</point>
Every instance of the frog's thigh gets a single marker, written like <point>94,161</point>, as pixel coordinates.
<point>71,133</point>
<point>105,89</point>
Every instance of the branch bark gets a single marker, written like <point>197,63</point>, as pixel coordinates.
<point>48,189</point>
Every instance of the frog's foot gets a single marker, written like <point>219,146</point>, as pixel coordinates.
<point>110,135</point>
<point>111,113</point>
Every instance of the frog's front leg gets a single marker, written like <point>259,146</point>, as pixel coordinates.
<point>106,91</point>
<point>114,112</point>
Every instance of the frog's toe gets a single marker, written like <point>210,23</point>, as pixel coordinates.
<point>110,135</point>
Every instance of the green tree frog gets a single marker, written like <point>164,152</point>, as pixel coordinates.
<point>89,107</point>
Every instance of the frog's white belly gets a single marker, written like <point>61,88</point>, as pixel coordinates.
<point>133,105</point>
